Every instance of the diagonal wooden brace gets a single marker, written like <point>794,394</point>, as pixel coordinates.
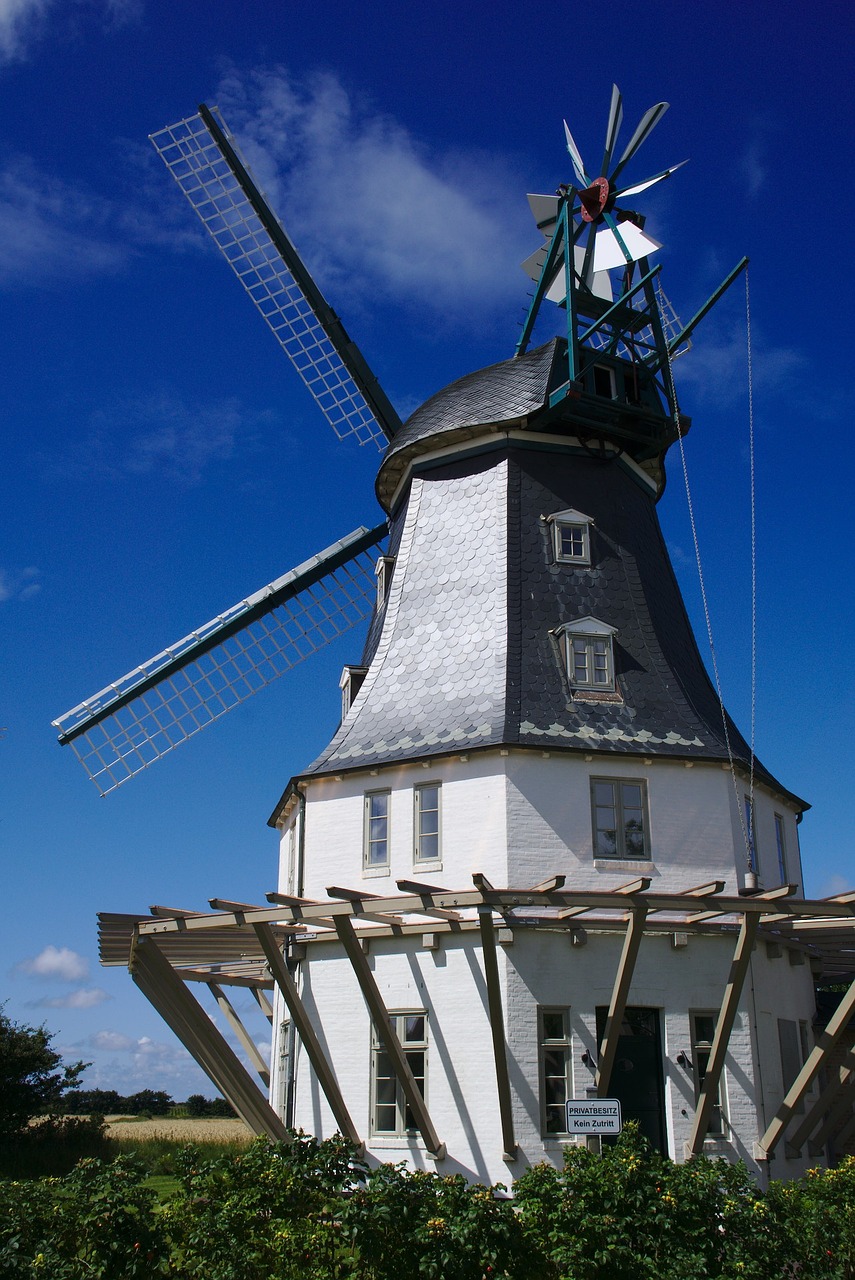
<point>386,1035</point>
<point>617,1004</point>
<point>497,1030</point>
<point>164,989</point>
<point>723,1028</point>
<point>308,1036</point>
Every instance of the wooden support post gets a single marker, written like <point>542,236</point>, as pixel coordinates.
<point>308,1036</point>
<point>816,1059</point>
<point>250,1047</point>
<point>723,1027</point>
<point>386,1035</point>
<point>164,989</point>
<point>837,1119</point>
<point>617,1005</point>
<point>497,1030</point>
<point>826,1100</point>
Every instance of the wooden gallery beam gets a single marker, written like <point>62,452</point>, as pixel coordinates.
<point>164,989</point>
<point>386,1035</point>
<point>817,1057</point>
<point>617,1004</point>
<point>497,1030</point>
<point>723,1028</point>
<point>249,1045</point>
<point>826,1101</point>
<point>308,1036</point>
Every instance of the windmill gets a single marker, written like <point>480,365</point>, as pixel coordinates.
<point>530,709</point>
<point>594,264</point>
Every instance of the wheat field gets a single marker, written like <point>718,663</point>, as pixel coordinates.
<point>179,1130</point>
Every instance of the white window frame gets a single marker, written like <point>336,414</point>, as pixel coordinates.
<point>551,1047</point>
<point>351,681</point>
<point>594,640</point>
<point>579,525</point>
<point>701,1049</point>
<point>621,853</point>
<point>419,856</point>
<point>369,837</point>
<point>609,371</point>
<point>383,573</point>
<point>382,1074</point>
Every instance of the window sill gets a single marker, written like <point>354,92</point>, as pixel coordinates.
<point>427,866</point>
<point>624,864</point>
<point>372,873</point>
<point>392,1142</point>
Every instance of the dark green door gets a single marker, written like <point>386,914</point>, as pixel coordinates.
<point>637,1079</point>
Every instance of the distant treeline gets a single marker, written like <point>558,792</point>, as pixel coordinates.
<point>154,1102</point>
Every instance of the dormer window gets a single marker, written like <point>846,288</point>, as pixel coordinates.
<point>383,573</point>
<point>351,682</point>
<point>571,536</point>
<point>588,654</point>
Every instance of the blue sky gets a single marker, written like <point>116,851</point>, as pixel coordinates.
<point>162,460</point>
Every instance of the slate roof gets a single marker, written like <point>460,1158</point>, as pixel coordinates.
<point>465,657</point>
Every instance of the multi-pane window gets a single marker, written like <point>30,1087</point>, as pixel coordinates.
<point>781,846</point>
<point>588,654</point>
<point>555,1069</point>
<point>376,837</point>
<point>571,539</point>
<point>619,809</point>
<point>390,1113</point>
<point>426,821</point>
<point>703,1030</point>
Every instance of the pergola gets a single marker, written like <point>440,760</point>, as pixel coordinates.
<point>243,945</point>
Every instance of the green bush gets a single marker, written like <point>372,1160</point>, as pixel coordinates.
<point>53,1145</point>
<point>634,1214</point>
<point>311,1210</point>
<point>98,1222</point>
<point>264,1214</point>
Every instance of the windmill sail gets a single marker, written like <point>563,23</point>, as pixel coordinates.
<point>202,158</point>
<point>133,722</point>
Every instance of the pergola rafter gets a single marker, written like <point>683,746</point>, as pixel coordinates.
<point>242,945</point>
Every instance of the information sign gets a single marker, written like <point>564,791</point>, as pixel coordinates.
<point>593,1115</point>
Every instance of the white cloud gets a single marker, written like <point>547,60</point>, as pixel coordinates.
<point>50,230</point>
<point>112,1041</point>
<point>20,21</point>
<point>23,22</point>
<point>371,208</point>
<point>20,586</point>
<point>60,963</point>
<point>716,369</point>
<point>83,998</point>
<point>160,435</point>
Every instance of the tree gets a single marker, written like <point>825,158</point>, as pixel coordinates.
<point>33,1077</point>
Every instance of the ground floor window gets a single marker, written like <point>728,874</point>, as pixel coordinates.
<point>556,1081</point>
<point>390,1113</point>
<point>703,1030</point>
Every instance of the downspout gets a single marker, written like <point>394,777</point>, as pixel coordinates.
<point>293,965</point>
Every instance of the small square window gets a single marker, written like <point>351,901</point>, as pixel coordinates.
<point>589,654</point>
<point>619,808</point>
<point>427,845</point>
<point>571,537</point>
<point>376,833</point>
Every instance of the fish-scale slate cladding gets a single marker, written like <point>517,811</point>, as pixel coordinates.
<point>464,656</point>
<point>438,675</point>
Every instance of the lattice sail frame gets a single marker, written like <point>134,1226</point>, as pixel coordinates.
<point>126,727</point>
<point>203,160</point>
